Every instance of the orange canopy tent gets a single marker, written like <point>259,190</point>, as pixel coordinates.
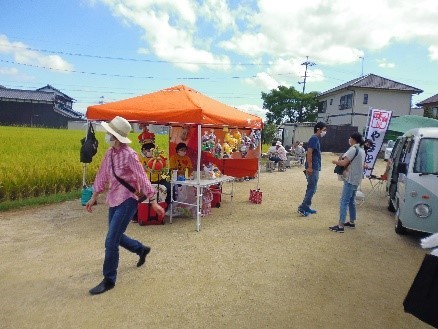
<point>183,105</point>
<point>175,105</point>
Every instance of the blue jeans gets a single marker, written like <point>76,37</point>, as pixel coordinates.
<point>118,220</point>
<point>312,183</point>
<point>348,200</point>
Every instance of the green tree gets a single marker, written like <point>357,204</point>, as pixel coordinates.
<point>289,105</point>
<point>268,133</point>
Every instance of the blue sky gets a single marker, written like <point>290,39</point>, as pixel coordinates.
<point>94,50</point>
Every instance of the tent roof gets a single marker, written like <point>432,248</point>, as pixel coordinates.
<point>403,123</point>
<point>175,105</point>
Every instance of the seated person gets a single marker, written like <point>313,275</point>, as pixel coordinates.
<point>181,161</point>
<point>281,151</point>
<point>154,176</point>
<point>272,153</point>
<point>300,153</point>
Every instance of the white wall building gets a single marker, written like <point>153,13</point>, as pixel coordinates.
<point>350,103</point>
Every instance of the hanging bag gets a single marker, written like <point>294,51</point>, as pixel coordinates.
<point>89,145</point>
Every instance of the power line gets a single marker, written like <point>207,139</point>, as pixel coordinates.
<point>130,59</point>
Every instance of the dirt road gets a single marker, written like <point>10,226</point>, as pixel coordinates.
<point>262,266</point>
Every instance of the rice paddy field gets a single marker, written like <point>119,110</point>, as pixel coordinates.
<point>39,162</point>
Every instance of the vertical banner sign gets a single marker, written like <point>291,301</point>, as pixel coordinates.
<point>377,126</point>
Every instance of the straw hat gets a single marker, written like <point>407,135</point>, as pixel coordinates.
<point>119,128</point>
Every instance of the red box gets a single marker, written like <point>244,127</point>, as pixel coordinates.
<point>147,216</point>
<point>216,190</point>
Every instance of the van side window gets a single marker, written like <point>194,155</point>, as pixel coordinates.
<point>407,151</point>
<point>427,160</point>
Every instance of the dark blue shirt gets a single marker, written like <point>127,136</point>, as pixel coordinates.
<point>314,144</point>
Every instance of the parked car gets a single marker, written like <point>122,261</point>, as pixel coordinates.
<point>388,149</point>
<point>412,184</point>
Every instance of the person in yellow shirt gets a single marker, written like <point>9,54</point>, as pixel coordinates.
<point>180,161</point>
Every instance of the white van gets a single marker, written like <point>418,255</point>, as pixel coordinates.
<point>412,184</point>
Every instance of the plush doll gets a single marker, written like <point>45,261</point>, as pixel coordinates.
<point>145,136</point>
<point>226,150</point>
<point>218,149</point>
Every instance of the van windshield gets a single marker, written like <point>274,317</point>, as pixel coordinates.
<point>427,159</point>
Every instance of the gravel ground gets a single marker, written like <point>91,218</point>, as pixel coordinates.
<point>250,266</point>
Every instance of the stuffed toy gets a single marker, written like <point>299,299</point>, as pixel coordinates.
<point>145,136</point>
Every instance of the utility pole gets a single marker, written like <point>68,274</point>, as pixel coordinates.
<point>362,58</point>
<point>306,63</point>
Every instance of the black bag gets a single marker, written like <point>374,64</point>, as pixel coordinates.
<point>339,170</point>
<point>422,298</point>
<point>89,145</point>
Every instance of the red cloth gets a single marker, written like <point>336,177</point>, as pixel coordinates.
<point>238,168</point>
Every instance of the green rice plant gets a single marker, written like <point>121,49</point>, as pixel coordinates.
<point>38,162</point>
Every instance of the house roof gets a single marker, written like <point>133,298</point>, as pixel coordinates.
<point>51,88</point>
<point>428,101</point>
<point>373,81</point>
<point>26,95</point>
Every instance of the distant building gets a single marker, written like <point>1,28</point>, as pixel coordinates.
<point>430,105</point>
<point>44,107</point>
<point>350,103</point>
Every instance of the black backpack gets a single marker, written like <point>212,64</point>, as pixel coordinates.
<point>89,145</point>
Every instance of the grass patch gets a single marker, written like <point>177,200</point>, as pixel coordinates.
<point>39,201</point>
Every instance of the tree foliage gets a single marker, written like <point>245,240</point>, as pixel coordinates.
<point>268,133</point>
<point>289,105</point>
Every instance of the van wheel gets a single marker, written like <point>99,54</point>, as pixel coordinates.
<point>391,207</point>
<point>399,228</point>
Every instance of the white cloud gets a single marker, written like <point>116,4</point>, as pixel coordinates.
<point>336,31</point>
<point>383,63</point>
<point>433,53</point>
<point>22,54</point>
<point>286,73</point>
<point>171,32</point>
<point>211,33</point>
<point>264,81</point>
<point>253,109</point>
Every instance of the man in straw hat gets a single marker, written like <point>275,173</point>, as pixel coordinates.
<point>122,171</point>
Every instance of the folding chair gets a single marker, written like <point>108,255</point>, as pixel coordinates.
<point>377,184</point>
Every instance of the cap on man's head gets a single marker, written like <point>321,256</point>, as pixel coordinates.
<point>278,143</point>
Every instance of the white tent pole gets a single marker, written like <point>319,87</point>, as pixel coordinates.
<point>198,164</point>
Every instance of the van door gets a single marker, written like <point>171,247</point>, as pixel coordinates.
<point>391,183</point>
<point>403,168</point>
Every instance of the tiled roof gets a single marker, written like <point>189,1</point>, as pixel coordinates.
<point>374,82</point>
<point>430,100</point>
<point>26,95</point>
<point>49,88</point>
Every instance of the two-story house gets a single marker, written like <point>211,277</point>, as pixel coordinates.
<point>44,107</point>
<point>351,102</point>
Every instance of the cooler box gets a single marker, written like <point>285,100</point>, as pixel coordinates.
<point>216,190</point>
<point>147,216</point>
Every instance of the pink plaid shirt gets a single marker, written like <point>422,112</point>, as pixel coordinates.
<point>128,167</point>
